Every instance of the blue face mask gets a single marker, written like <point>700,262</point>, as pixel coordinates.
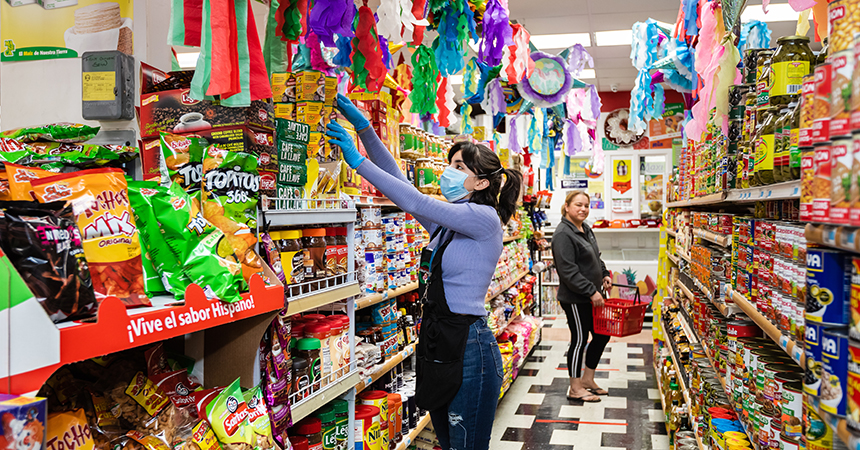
<point>452,184</point>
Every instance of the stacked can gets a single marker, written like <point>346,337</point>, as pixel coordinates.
<point>370,250</point>
<point>397,257</point>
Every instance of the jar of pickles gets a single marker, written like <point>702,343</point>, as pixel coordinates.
<point>792,60</point>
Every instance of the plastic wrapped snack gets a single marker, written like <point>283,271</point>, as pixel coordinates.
<point>182,161</point>
<point>54,132</point>
<point>228,415</point>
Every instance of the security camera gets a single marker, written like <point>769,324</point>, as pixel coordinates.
<point>614,87</point>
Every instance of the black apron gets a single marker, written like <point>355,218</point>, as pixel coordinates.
<point>443,335</point>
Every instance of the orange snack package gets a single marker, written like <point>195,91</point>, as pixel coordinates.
<point>19,179</point>
<point>111,242</point>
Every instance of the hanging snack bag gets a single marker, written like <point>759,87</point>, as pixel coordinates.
<point>182,161</point>
<point>99,199</point>
<point>228,414</point>
<point>167,264</point>
<point>206,254</point>
<point>20,181</point>
<point>43,243</point>
<point>67,427</point>
<point>178,387</point>
<point>258,418</point>
<point>54,132</point>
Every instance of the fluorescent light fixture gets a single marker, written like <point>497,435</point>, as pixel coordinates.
<point>587,74</point>
<point>616,37</point>
<point>779,12</point>
<point>187,60</point>
<point>548,41</point>
<point>455,79</point>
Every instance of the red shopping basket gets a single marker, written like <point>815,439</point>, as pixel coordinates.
<point>619,316</point>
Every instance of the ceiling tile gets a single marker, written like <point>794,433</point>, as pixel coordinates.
<point>555,25</point>
<point>612,63</point>
<point>625,20</point>
<point>545,8</point>
<point>615,51</point>
<point>612,6</point>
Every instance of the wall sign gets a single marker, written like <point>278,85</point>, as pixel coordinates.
<point>574,184</point>
<point>621,169</point>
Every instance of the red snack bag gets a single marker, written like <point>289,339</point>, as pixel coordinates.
<point>111,242</point>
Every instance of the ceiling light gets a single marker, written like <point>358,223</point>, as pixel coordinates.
<point>587,74</point>
<point>780,12</point>
<point>187,60</point>
<point>548,41</point>
<point>455,79</point>
<point>617,37</point>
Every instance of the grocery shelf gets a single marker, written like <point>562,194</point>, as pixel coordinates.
<point>835,236</point>
<point>408,440</point>
<point>725,309</point>
<point>322,397</point>
<point>321,298</point>
<point>779,191</point>
<point>727,391</point>
<point>671,232</point>
<point>507,286</point>
<point>839,426</point>
<point>718,239</point>
<point>679,369</point>
<point>704,200</point>
<point>33,361</point>
<point>393,361</point>
<point>625,230</point>
<point>549,283</point>
<point>501,329</point>
<point>663,403</point>
<point>687,326</point>
<point>373,299</point>
<point>367,200</point>
<point>512,238</point>
<point>683,256</point>
<point>789,345</point>
<point>672,258</point>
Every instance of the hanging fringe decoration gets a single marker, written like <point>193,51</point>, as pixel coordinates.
<point>517,61</point>
<point>466,112</point>
<point>754,34</point>
<point>578,59</point>
<point>367,66</point>
<point>424,85</point>
<point>317,60</point>
<point>274,49</point>
<point>513,136</point>
<point>344,52</point>
<point>475,81</point>
<point>535,134</point>
<point>497,33</point>
<point>330,17</point>
<point>445,103</point>
<point>418,7</point>
<point>456,26</point>
<point>388,19</point>
<point>494,99</point>
<point>290,21</point>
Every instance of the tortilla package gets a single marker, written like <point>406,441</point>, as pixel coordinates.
<point>164,261</point>
<point>54,132</point>
<point>111,242</point>
<point>20,181</point>
<point>43,243</point>
<point>182,161</point>
<point>228,415</point>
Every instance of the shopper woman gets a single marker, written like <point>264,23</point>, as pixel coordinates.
<point>459,370</point>
<point>582,275</point>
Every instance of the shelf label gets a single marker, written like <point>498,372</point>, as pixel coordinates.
<point>783,342</point>
<point>795,191</point>
<point>797,353</point>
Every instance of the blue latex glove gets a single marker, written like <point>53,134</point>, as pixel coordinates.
<point>338,136</point>
<point>352,114</point>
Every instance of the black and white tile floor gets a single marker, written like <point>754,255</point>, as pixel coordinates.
<point>535,413</point>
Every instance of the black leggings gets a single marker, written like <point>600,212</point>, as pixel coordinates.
<point>581,322</point>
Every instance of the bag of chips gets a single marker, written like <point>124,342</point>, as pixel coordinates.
<point>54,132</point>
<point>20,181</point>
<point>82,155</point>
<point>43,243</point>
<point>178,387</point>
<point>182,161</point>
<point>228,414</point>
<point>165,262</point>
<point>68,427</point>
<point>258,418</point>
<point>111,242</point>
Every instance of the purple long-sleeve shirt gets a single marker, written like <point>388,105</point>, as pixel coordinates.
<point>471,257</point>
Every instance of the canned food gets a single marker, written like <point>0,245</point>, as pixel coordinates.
<point>373,238</point>
<point>843,24</point>
<point>819,435</point>
<point>834,359</point>
<point>841,169</point>
<point>378,399</point>
<point>842,72</point>
<point>855,87</point>
<point>853,394</point>
<point>812,349</point>
<point>854,191</point>
<point>787,443</point>
<point>371,216</point>
<point>807,180</point>
<point>367,427</point>
<point>821,103</point>
<point>828,279</point>
<point>792,409</point>
<point>821,183</point>
<point>807,117</point>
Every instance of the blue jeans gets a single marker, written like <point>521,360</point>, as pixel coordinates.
<point>467,422</point>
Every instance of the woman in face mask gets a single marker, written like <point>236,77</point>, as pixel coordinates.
<point>582,275</point>
<point>459,367</point>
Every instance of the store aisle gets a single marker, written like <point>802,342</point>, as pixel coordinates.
<point>535,413</point>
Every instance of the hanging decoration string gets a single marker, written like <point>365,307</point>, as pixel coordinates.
<point>424,87</point>
<point>497,33</point>
<point>328,18</point>
<point>367,65</point>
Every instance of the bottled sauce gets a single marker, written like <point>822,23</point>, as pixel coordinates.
<point>314,248</point>
<point>292,257</point>
<point>792,60</point>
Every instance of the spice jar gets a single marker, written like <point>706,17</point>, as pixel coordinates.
<point>290,248</point>
<point>765,146</point>
<point>329,427</point>
<point>309,348</point>
<point>341,417</point>
<point>314,246</point>
<point>321,331</point>
<point>301,378</point>
<point>311,428</point>
<point>330,252</point>
<point>791,61</point>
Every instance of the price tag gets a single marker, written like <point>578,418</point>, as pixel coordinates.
<point>783,342</point>
<point>795,191</point>
<point>797,353</point>
<point>769,193</point>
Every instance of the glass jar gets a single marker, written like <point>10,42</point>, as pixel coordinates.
<point>314,245</point>
<point>328,424</point>
<point>792,60</point>
<point>292,256</point>
<point>321,331</point>
<point>311,428</point>
<point>750,59</point>
<point>778,148</point>
<point>330,252</point>
<point>425,176</point>
<point>301,378</point>
<point>309,349</point>
<point>342,250</point>
<point>765,145</point>
<point>794,141</point>
<point>341,417</point>
<point>763,78</point>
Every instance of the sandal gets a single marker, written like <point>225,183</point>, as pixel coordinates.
<point>598,391</point>
<point>590,398</point>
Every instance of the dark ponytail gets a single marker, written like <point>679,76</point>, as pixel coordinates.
<point>486,165</point>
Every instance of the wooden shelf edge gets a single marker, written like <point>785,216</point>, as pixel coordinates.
<point>397,359</point>
<point>373,299</point>
<point>508,286</point>
<point>787,344</point>
<point>422,424</point>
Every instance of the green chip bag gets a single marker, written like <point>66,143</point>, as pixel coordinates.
<point>182,161</point>
<point>220,277</point>
<point>55,132</point>
<point>228,415</point>
<point>258,418</point>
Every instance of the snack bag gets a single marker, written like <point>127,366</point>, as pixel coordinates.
<point>55,132</point>
<point>82,155</point>
<point>69,430</point>
<point>156,360</point>
<point>207,255</point>
<point>258,418</point>
<point>228,414</point>
<point>111,242</point>
<point>182,161</point>
<point>20,178</point>
<point>164,260</point>
<point>148,441</point>
<point>201,438</point>
<point>43,243</point>
<point>102,418</point>
<point>178,387</point>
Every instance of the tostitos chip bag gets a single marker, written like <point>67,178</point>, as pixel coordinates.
<point>228,415</point>
<point>20,181</point>
<point>182,161</point>
<point>111,242</point>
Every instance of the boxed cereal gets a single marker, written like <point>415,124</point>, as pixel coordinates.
<point>24,422</point>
